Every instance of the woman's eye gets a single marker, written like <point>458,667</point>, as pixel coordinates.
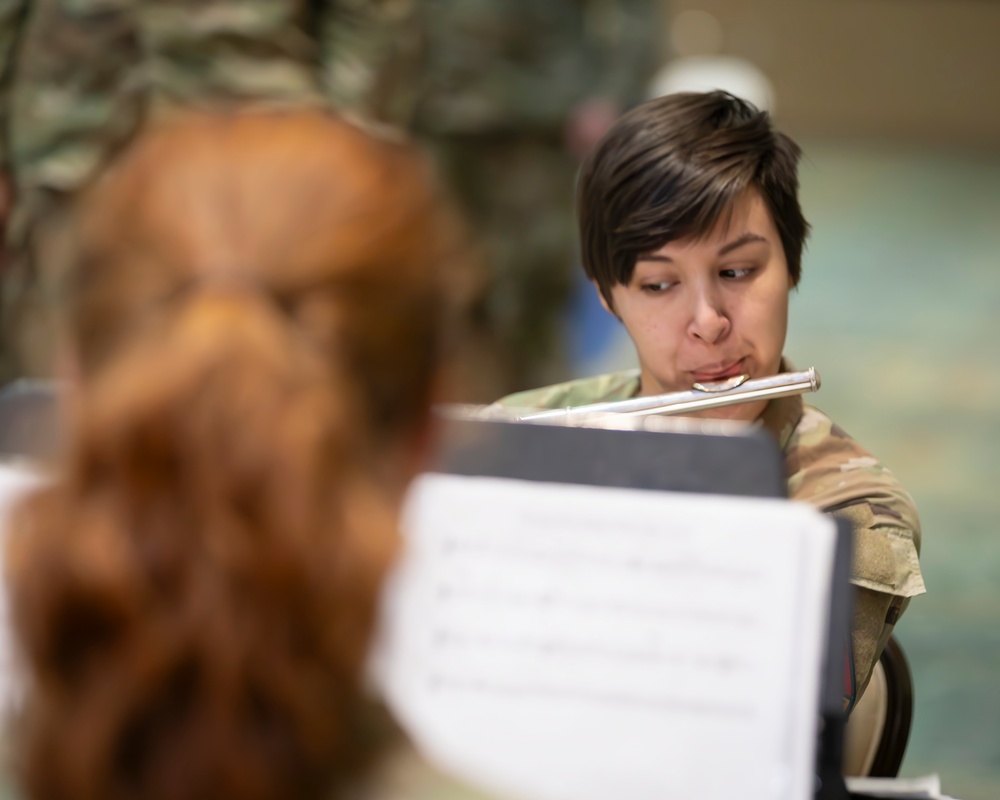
<point>735,273</point>
<point>657,287</point>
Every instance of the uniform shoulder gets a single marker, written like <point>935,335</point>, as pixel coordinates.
<point>600,388</point>
<point>830,470</point>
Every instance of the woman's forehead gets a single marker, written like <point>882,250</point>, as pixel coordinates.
<point>744,221</point>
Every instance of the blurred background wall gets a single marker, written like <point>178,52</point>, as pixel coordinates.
<point>893,102</point>
<point>915,71</point>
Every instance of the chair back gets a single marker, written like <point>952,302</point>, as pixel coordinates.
<point>879,725</point>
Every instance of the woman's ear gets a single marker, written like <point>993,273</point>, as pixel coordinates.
<point>68,373</point>
<point>67,364</point>
<point>419,444</point>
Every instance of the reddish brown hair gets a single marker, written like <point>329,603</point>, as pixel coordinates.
<point>256,311</point>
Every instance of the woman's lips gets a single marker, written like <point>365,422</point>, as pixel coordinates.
<point>714,374</point>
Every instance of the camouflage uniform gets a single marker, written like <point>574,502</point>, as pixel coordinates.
<point>830,471</point>
<point>77,78</point>
<point>360,43</point>
<point>489,86</point>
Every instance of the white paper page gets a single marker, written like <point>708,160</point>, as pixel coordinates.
<point>558,642</point>
<point>16,482</point>
<point>925,787</point>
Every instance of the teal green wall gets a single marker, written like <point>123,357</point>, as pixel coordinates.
<point>900,310</point>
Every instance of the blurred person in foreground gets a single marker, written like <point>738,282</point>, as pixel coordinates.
<point>256,315</point>
<point>692,233</point>
<point>79,78</point>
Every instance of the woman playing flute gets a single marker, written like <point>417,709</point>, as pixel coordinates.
<point>692,233</point>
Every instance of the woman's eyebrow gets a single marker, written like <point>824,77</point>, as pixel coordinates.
<point>745,238</point>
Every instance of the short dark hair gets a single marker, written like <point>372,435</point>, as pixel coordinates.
<point>671,169</point>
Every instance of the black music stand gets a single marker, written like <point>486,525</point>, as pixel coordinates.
<point>748,464</point>
<point>29,422</point>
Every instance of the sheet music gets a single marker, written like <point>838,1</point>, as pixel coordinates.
<point>16,482</point>
<point>557,642</point>
<point>925,787</point>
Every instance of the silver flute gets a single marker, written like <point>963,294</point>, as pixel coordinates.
<point>702,396</point>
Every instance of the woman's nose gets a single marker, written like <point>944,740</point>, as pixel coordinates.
<point>709,320</point>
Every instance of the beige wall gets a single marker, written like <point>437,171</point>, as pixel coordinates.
<point>918,70</point>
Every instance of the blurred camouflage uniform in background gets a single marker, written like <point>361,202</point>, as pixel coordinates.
<point>502,91</point>
<point>77,78</point>
<point>490,85</point>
